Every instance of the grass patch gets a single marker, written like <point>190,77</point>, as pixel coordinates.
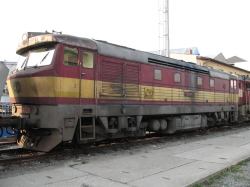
<point>197,185</point>
<point>216,177</point>
<point>233,169</point>
<point>82,162</point>
<point>244,162</point>
<point>159,148</point>
<point>72,165</point>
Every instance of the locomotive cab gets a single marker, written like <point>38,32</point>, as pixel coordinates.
<point>51,79</point>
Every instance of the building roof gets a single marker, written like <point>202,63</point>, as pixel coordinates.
<point>189,50</point>
<point>235,59</point>
<point>221,57</point>
<point>217,61</point>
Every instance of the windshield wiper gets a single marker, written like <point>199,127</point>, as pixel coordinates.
<point>24,63</point>
<point>42,60</point>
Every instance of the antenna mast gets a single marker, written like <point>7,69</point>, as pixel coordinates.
<point>163,6</point>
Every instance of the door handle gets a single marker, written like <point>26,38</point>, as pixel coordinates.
<point>83,73</point>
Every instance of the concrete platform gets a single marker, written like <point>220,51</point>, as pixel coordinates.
<point>173,166</point>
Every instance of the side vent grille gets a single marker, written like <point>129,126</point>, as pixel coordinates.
<point>120,79</point>
<point>112,78</point>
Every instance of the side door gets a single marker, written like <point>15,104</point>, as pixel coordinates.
<point>233,92</point>
<point>87,77</point>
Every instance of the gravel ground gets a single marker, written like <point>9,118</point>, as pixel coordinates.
<point>236,176</point>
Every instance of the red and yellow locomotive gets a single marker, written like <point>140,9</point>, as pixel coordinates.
<point>69,88</point>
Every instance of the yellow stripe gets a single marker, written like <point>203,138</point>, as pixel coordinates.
<point>44,87</point>
<point>69,87</point>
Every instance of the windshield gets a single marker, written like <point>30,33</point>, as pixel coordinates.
<point>36,57</point>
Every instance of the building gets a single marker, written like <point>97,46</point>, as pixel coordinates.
<point>235,60</point>
<point>5,94</point>
<point>218,61</point>
<point>10,65</point>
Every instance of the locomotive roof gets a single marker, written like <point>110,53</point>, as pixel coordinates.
<point>112,50</point>
<point>33,39</point>
<point>243,77</point>
<point>221,74</point>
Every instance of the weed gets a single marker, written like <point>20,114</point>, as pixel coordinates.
<point>72,165</point>
<point>159,148</point>
<point>232,169</point>
<point>83,162</point>
<point>197,185</point>
<point>235,169</point>
<point>244,162</point>
<point>209,181</point>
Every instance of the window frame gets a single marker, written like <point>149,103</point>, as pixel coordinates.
<point>212,85</point>
<point>199,81</point>
<point>175,78</point>
<point>77,62</point>
<point>93,59</point>
<point>158,75</point>
<point>231,84</point>
<point>235,84</point>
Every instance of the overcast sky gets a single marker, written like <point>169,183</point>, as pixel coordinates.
<point>213,26</point>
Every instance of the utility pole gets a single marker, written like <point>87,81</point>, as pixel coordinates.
<point>163,6</point>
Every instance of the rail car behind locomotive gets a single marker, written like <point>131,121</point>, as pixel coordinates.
<point>244,98</point>
<point>68,88</point>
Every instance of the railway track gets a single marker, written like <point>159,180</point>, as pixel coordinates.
<point>19,156</point>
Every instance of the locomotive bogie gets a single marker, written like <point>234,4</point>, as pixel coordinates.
<point>163,125</point>
<point>244,110</point>
<point>154,125</point>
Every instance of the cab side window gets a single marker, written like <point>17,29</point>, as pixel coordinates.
<point>88,60</point>
<point>212,83</point>
<point>199,81</point>
<point>70,56</point>
<point>158,74</point>
<point>177,77</point>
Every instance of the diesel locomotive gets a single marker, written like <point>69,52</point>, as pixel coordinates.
<point>73,89</point>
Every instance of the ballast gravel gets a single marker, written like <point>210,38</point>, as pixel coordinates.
<point>235,176</point>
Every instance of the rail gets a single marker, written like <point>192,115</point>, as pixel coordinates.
<point>19,156</point>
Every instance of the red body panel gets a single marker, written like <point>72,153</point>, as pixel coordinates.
<point>109,69</point>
